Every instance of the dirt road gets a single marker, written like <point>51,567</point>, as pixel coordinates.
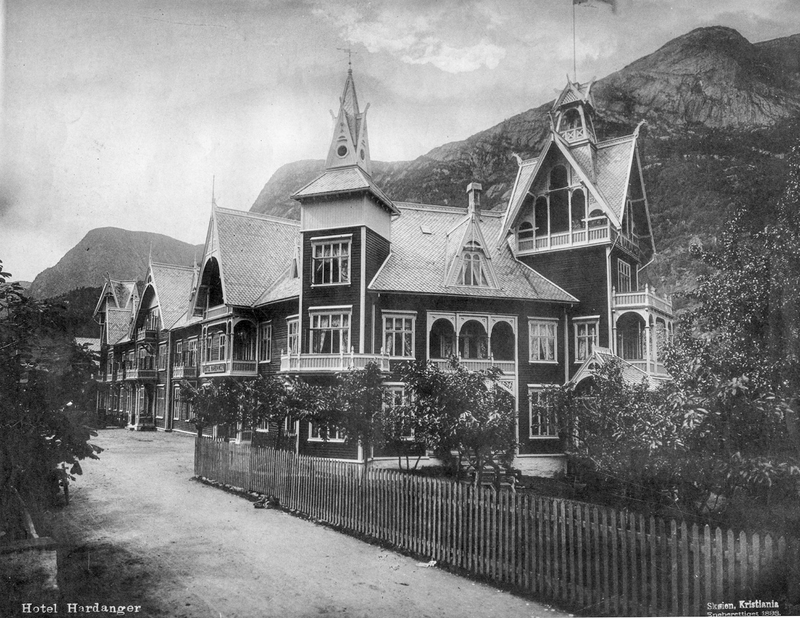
<point>140,532</point>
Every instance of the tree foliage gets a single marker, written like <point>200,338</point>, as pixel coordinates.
<point>464,413</point>
<point>45,389</point>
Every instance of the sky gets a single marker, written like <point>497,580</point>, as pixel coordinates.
<point>120,112</point>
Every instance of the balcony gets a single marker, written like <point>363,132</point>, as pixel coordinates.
<point>228,368</point>
<point>140,374</point>
<point>597,232</point>
<point>146,333</point>
<point>508,367</point>
<point>180,372</point>
<point>642,299</point>
<point>331,363</point>
<point>108,376</point>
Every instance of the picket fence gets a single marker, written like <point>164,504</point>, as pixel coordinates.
<point>594,559</point>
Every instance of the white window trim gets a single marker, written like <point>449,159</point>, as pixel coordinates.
<point>311,438</point>
<point>536,388</point>
<point>292,319</point>
<point>394,386</point>
<point>267,324</point>
<point>330,311</point>
<point>176,400</point>
<point>585,320</point>
<point>393,313</point>
<point>532,320</point>
<point>322,240</point>
<point>624,269</point>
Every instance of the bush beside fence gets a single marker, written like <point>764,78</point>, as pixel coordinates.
<point>596,559</point>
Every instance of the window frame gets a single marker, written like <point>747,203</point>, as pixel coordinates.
<point>176,402</point>
<point>388,315</point>
<point>399,388</point>
<point>585,321</point>
<point>161,362</point>
<point>537,390</point>
<point>624,270</point>
<point>262,328</point>
<point>537,321</point>
<point>316,313</point>
<point>161,401</point>
<point>293,335</point>
<point>344,275</point>
<point>334,435</point>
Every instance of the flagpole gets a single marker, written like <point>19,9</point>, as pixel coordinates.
<point>574,61</point>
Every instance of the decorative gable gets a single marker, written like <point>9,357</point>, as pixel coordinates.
<point>470,263</point>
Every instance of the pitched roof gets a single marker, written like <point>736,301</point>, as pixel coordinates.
<point>254,252</point>
<point>614,159</point>
<point>343,180</point>
<point>173,286</point>
<point>283,289</point>
<point>630,373</point>
<point>121,292</point>
<point>418,261</point>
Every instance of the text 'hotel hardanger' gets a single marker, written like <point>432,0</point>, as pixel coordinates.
<point>543,290</point>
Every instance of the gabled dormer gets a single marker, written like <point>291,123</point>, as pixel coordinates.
<point>210,288</point>
<point>468,255</point>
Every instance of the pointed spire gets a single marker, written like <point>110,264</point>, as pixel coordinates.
<point>350,143</point>
<point>213,188</point>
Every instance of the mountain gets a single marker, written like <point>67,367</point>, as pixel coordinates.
<point>720,112</point>
<point>120,252</point>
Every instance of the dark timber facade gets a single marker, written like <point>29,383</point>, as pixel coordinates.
<point>544,290</point>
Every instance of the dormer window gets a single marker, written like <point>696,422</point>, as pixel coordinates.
<point>473,271</point>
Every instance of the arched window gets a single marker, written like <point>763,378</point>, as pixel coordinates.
<point>473,341</point>
<point>525,231</point>
<point>244,342</point>
<point>540,217</point>
<point>597,218</point>
<point>578,209</point>
<point>472,268</point>
<point>503,342</point>
<point>442,339</point>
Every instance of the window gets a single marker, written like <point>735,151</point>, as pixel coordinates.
<point>398,335</point>
<point>330,333</point>
<point>244,341</point>
<point>191,354</point>
<point>293,335</point>
<point>289,426</point>
<point>265,342</point>
<point>398,396</point>
<point>541,414</point>
<point>146,359</point>
<point>317,432</point>
<point>542,340</point>
<point>161,401</point>
<point>585,338</point>
<point>215,346</point>
<point>176,402</point>
<point>331,262</point>
<point>473,271</point>
<point>151,320</point>
<point>623,276</point>
<point>162,356</point>
<point>178,360</point>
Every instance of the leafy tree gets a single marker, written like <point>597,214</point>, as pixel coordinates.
<point>214,402</point>
<point>463,412</point>
<point>272,400</point>
<point>45,389</point>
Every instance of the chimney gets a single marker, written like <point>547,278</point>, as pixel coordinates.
<point>474,192</point>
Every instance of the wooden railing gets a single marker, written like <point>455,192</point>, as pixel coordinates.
<point>477,364</point>
<point>180,372</point>
<point>146,333</point>
<point>331,362</point>
<point>598,231</point>
<point>596,559</point>
<point>140,374</point>
<point>640,299</point>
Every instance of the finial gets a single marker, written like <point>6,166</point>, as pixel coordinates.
<point>213,187</point>
<point>349,51</point>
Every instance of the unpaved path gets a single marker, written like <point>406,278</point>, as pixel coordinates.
<point>140,532</point>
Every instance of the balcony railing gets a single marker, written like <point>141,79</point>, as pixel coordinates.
<point>109,376</point>
<point>478,364</point>
<point>642,299</point>
<point>146,333</point>
<point>323,363</point>
<point>180,372</point>
<point>229,368</point>
<point>598,231</point>
<point>140,374</point>
<point>218,311</point>
<point>653,368</point>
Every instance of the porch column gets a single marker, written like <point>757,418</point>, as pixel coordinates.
<point>648,344</point>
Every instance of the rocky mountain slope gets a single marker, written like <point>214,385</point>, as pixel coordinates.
<point>720,114</point>
<point>122,253</point>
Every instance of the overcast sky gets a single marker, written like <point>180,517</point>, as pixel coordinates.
<point>119,112</point>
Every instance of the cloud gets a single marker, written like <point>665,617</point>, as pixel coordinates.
<point>421,35</point>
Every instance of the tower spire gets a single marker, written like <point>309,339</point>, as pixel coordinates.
<point>350,144</point>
